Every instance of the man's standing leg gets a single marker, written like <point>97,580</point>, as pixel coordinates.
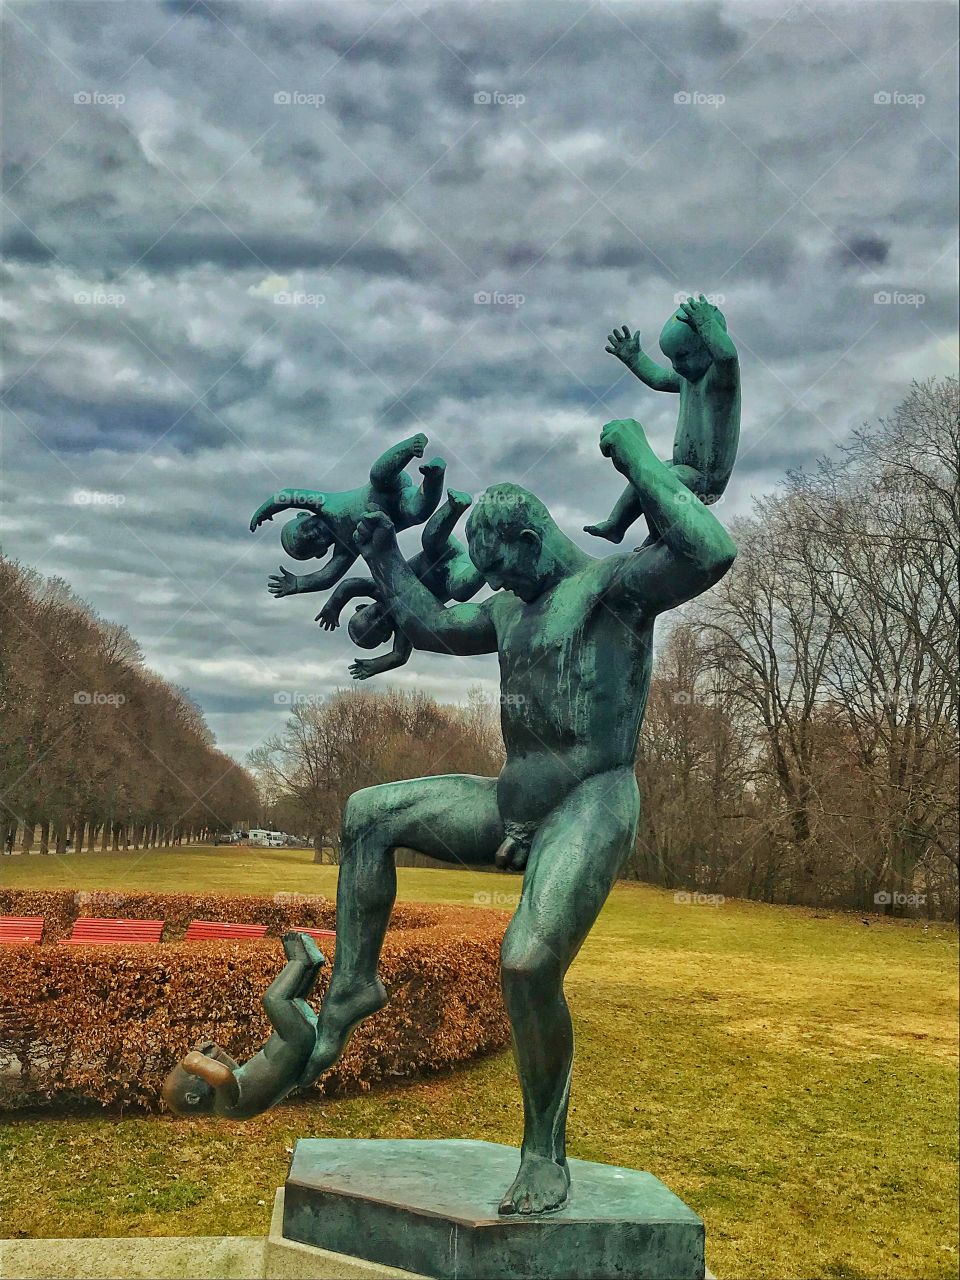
<point>574,861</point>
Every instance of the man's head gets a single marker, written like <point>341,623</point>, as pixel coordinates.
<point>685,349</point>
<point>509,532</point>
<point>369,628</point>
<point>306,537</point>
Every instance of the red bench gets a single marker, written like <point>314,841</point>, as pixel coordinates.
<point>17,930</point>
<point>207,930</point>
<point>97,930</point>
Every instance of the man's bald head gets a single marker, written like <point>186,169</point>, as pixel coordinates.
<point>506,530</point>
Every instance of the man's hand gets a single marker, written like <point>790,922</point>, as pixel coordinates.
<point>328,618</point>
<point>698,313</point>
<point>622,440</point>
<point>283,584</point>
<point>417,444</point>
<point>363,668</point>
<point>624,346</point>
<point>375,534</point>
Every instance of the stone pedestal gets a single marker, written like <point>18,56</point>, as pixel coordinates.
<point>431,1208</point>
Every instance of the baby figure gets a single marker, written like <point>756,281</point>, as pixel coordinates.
<point>444,568</point>
<point>706,373</point>
<point>329,520</point>
<point>209,1081</point>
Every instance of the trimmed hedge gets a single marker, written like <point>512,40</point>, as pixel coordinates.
<point>107,1023</point>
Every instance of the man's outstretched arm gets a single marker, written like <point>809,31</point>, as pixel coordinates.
<point>464,629</point>
<point>694,550</point>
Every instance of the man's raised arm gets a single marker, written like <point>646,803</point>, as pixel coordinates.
<point>467,628</point>
<point>694,550</point>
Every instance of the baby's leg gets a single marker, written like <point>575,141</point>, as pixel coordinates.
<point>442,523</point>
<point>627,509</point>
<point>386,470</point>
<point>417,504</point>
<point>283,999</point>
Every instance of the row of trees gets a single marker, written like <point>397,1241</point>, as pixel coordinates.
<point>94,748</point>
<point>360,737</point>
<point>801,742</point>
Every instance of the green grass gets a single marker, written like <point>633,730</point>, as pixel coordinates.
<point>790,1074</point>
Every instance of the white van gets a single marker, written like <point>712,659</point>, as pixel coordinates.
<point>268,839</point>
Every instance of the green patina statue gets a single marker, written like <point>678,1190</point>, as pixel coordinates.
<point>574,636</point>
<point>209,1081</point>
<point>444,568</point>
<point>329,520</point>
<point>706,373</point>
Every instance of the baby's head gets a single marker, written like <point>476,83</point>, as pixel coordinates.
<point>685,349</point>
<point>306,537</point>
<point>187,1094</point>
<point>369,627</point>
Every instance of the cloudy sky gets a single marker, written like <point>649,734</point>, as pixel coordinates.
<point>244,242</point>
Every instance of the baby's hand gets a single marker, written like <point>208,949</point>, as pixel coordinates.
<point>283,583</point>
<point>697,313</point>
<point>363,669</point>
<point>328,618</point>
<point>625,346</point>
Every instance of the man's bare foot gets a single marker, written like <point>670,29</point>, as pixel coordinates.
<point>605,529</point>
<point>339,1015</point>
<point>540,1185</point>
<point>435,467</point>
<point>459,500</point>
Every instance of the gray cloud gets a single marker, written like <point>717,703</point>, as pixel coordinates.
<point>583,186</point>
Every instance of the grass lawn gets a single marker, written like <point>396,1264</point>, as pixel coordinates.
<point>790,1074</point>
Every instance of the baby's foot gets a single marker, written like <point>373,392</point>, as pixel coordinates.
<point>458,499</point>
<point>435,467</point>
<point>300,946</point>
<point>605,529</point>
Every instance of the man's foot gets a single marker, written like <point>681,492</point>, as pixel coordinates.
<point>339,1015</point>
<point>435,467</point>
<point>540,1185</point>
<point>459,500</point>
<point>605,529</point>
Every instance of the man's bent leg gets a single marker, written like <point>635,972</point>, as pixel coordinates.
<point>573,864</point>
<point>452,817</point>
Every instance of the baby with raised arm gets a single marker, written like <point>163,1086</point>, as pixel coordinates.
<point>329,520</point>
<point>443,566</point>
<point>209,1081</point>
<point>706,373</point>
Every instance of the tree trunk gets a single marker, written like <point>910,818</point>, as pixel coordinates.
<point>45,835</point>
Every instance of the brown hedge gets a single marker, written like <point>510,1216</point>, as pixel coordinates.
<point>107,1023</point>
